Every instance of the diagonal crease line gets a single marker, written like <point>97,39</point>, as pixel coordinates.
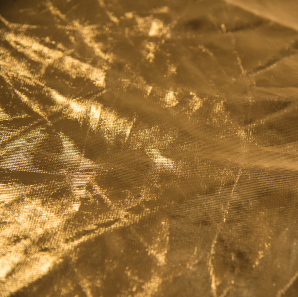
<point>21,27</point>
<point>274,116</point>
<point>273,62</point>
<point>287,286</point>
<point>281,12</point>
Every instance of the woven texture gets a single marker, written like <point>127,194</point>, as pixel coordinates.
<point>148,148</point>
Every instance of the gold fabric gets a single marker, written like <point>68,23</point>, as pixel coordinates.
<point>148,148</point>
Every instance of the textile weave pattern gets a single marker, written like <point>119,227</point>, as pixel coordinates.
<point>148,148</point>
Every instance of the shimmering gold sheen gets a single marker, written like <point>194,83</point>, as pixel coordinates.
<point>148,148</point>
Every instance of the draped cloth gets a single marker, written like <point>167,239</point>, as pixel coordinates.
<point>148,148</point>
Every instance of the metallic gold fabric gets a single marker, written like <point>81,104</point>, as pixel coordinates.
<point>148,148</point>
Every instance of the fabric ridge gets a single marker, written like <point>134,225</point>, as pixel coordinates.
<point>148,148</point>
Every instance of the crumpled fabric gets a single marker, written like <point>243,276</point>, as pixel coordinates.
<point>148,148</point>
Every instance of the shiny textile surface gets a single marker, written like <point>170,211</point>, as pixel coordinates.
<point>148,148</point>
